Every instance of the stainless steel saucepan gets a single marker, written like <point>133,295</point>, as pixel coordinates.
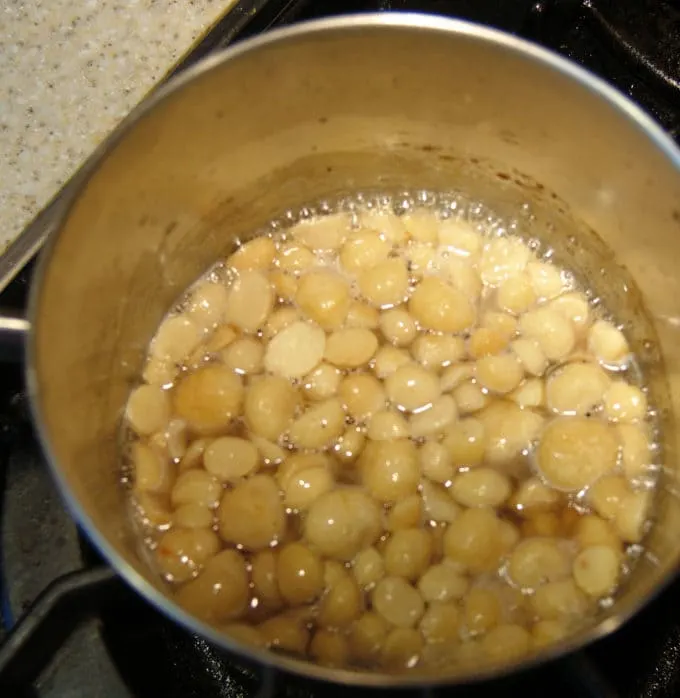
<point>355,103</point>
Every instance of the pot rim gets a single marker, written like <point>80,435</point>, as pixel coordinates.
<point>401,20</point>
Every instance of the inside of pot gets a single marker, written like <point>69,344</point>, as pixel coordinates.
<point>379,106</point>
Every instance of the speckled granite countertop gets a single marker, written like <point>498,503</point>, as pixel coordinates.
<point>69,71</point>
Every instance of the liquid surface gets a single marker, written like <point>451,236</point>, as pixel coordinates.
<point>393,437</point>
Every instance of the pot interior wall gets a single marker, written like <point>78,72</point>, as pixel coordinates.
<point>334,111</point>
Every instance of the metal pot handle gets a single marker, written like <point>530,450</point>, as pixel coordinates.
<point>14,328</point>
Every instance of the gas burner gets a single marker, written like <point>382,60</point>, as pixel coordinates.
<point>647,33</point>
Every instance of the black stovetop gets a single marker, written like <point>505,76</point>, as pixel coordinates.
<point>85,634</point>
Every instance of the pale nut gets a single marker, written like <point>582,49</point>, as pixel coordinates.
<point>296,350</point>
<point>439,306</point>
<point>576,451</point>
<point>351,347</point>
